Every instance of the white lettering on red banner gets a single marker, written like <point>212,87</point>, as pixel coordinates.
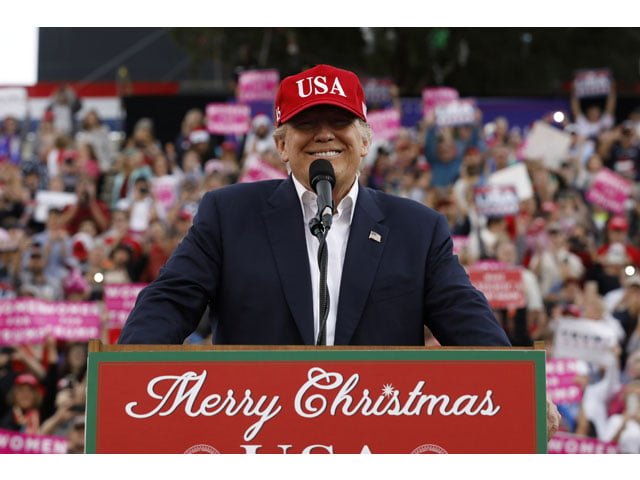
<point>310,401</point>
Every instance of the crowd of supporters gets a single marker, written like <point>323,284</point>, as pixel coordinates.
<point>80,210</point>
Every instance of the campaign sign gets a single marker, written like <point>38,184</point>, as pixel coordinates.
<point>500,283</point>
<point>610,191</point>
<point>585,339</point>
<point>119,299</point>
<point>23,443</point>
<point>228,118</point>
<point>433,96</point>
<point>570,443</point>
<point>258,85</point>
<point>377,90</point>
<point>516,175</point>
<point>32,320</point>
<point>456,113</point>
<point>592,83</point>
<point>546,143</point>
<point>384,123</point>
<point>315,400</point>
<point>496,200</point>
<point>561,380</point>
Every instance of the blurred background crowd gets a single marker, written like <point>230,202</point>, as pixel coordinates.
<point>83,206</point>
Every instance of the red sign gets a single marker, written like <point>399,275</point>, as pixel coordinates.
<point>500,283</point>
<point>328,401</point>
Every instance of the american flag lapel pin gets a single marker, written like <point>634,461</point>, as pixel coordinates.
<point>375,236</point>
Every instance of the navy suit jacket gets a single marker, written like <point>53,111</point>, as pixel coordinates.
<point>246,257</point>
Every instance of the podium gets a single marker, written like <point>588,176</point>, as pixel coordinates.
<point>337,400</point>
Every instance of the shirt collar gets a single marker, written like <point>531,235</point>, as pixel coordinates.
<point>308,200</point>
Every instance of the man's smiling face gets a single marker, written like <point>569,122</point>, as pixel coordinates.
<point>329,132</point>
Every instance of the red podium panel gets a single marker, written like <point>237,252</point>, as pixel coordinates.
<point>320,400</point>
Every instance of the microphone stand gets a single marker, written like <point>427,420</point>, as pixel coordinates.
<point>320,229</point>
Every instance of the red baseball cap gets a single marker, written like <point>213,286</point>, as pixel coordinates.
<point>320,85</point>
<point>29,379</point>
<point>618,223</point>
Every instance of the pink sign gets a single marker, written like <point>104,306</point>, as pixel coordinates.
<point>164,191</point>
<point>459,243</point>
<point>258,85</point>
<point>433,96</point>
<point>257,170</point>
<point>561,380</point>
<point>385,123</point>
<point>228,118</point>
<point>610,191</point>
<point>119,299</point>
<point>569,443</point>
<point>21,443</point>
<point>31,320</point>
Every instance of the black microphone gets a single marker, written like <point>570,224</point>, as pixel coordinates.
<point>322,179</point>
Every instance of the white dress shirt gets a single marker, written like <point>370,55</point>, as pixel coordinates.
<point>337,239</point>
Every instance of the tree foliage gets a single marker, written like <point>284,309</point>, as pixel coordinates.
<point>477,61</point>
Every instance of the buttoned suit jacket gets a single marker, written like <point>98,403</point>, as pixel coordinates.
<point>246,258</point>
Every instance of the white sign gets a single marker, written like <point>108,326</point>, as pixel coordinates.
<point>13,102</point>
<point>588,340</point>
<point>547,143</point>
<point>497,200</point>
<point>514,175</point>
<point>456,112</point>
<point>47,199</point>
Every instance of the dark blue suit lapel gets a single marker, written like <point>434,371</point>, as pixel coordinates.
<point>285,229</point>
<point>360,264</point>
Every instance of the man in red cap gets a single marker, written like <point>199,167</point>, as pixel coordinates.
<point>251,257</point>
<point>618,232</point>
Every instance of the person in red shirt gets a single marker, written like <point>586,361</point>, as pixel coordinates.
<point>618,232</point>
<point>88,207</point>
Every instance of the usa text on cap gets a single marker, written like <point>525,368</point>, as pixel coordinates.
<point>320,85</point>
